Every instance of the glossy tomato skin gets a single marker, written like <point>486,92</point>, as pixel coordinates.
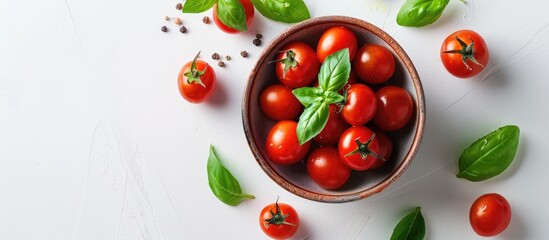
<point>453,61</point>
<point>374,64</point>
<point>279,231</point>
<point>248,9</point>
<point>490,214</point>
<point>279,103</point>
<point>395,107</point>
<point>282,144</point>
<point>306,70</point>
<point>334,128</point>
<point>347,144</point>
<point>360,105</point>
<point>194,92</point>
<point>335,39</point>
<point>326,168</point>
<point>385,148</point>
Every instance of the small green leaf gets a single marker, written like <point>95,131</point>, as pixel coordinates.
<point>197,6</point>
<point>333,97</point>
<point>288,11</point>
<point>490,155</point>
<point>411,227</point>
<point>419,13</point>
<point>335,71</point>
<point>222,183</point>
<point>232,14</point>
<point>312,121</point>
<point>308,95</point>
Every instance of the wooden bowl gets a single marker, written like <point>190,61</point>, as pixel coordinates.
<point>294,178</point>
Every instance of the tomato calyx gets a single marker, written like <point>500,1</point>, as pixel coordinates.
<point>467,51</point>
<point>193,76</point>
<point>363,148</point>
<point>277,218</point>
<point>289,62</point>
<point>341,104</point>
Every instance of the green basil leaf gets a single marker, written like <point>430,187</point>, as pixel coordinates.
<point>335,71</point>
<point>333,97</point>
<point>419,13</point>
<point>312,121</point>
<point>490,155</point>
<point>411,227</point>
<point>222,183</point>
<point>308,95</point>
<point>198,6</point>
<point>288,11</point>
<point>232,14</point>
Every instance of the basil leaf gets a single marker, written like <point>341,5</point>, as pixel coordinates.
<point>222,183</point>
<point>308,95</point>
<point>288,11</point>
<point>490,155</point>
<point>198,6</point>
<point>335,71</point>
<point>312,121</point>
<point>419,13</point>
<point>333,97</point>
<point>232,14</point>
<point>411,227</point>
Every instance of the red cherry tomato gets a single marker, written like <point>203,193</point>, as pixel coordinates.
<point>296,65</point>
<point>464,59</point>
<point>194,85</point>
<point>359,148</point>
<point>490,214</point>
<point>360,105</point>
<point>334,128</point>
<point>248,9</point>
<point>326,168</point>
<point>374,64</point>
<point>385,148</point>
<point>279,103</point>
<point>394,108</point>
<point>335,39</point>
<point>279,220</point>
<point>282,144</point>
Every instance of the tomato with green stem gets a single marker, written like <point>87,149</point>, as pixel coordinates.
<point>282,145</point>
<point>196,81</point>
<point>326,168</point>
<point>464,53</point>
<point>279,220</point>
<point>279,103</point>
<point>490,214</point>
<point>248,9</point>
<point>297,65</point>
<point>359,148</point>
<point>335,39</point>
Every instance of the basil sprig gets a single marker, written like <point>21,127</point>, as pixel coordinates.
<point>419,13</point>
<point>490,155</point>
<point>197,6</point>
<point>333,75</point>
<point>411,227</point>
<point>222,183</point>
<point>288,11</point>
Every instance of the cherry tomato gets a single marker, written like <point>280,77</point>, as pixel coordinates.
<point>334,128</point>
<point>196,81</point>
<point>358,148</point>
<point>248,9</point>
<point>326,168</point>
<point>279,103</point>
<point>464,53</point>
<point>360,105</point>
<point>385,148</point>
<point>394,108</point>
<point>490,214</point>
<point>279,220</point>
<point>297,65</point>
<point>335,39</point>
<point>374,64</point>
<point>282,144</point>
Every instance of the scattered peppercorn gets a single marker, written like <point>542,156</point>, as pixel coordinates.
<point>259,36</point>
<point>179,6</point>
<point>244,54</point>
<point>221,64</point>
<point>164,29</point>
<point>228,58</point>
<point>183,29</point>
<point>257,42</point>
<point>177,21</point>
<point>167,18</point>
<point>206,20</point>
<point>215,56</point>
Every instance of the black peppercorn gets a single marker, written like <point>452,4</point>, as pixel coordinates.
<point>244,54</point>
<point>257,42</point>
<point>221,64</point>
<point>215,56</point>
<point>164,29</point>
<point>183,29</point>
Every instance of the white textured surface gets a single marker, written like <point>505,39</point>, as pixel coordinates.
<point>96,142</point>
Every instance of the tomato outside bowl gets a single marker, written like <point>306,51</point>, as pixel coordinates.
<point>294,178</point>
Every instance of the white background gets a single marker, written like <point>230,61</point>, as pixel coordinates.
<point>97,143</point>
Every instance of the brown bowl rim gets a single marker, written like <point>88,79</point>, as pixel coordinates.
<point>420,106</point>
